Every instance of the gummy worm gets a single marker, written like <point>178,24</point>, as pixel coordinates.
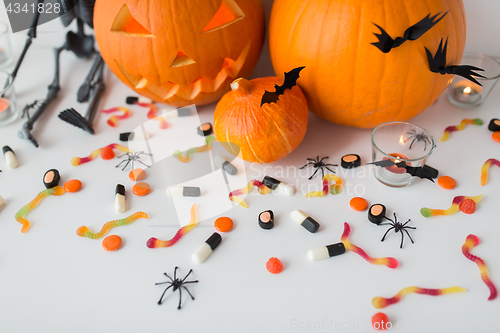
<point>191,151</point>
<point>113,121</point>
<point>334,189</point>
<point>152,114</point>
<point>76,161</point>
<point>484,169</point>
<point>381,302</point>
<point>263,189</point>
<point>470,242</point>
<point>389,262</point>
<point>154,242</point>
<point>83,231</point>
<point>427,212</point>
<point>460,127</point>
<point>21,214</point>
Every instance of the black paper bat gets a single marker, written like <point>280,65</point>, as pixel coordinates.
<point>413,171</point>
<point>437,64</point>
<point>290,81</point>
<point>386,43</point>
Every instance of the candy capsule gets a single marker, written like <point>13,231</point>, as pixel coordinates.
<point>277,186</point>
<point>133,100</point>
<point>305,220</point>
<point>221,162</point>
<point>120,205</point>
<point>206,249</point>
<point>10,157</point>
<point>133,136</point>
<point>183,191</point>
<point>325,252</point>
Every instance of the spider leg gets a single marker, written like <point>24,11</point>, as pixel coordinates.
<point>147,166</point>
<point>406,222</point>
<point>126,154</point>
<point>386,233</point>
<point>322,172</point>
<point>159,302</point>
<point>162,283</point>
<point>329,169</point>
<point>388,219</point>
<point>409,235</point>
<point>195,281</point>
<point>329,164</point>
<point>402,238</point>
<point>180,299</point>
<point>127,164</point>
<point>190,271</point>
<point>188,292</point>
<point>322,159</point>
<point>306,165</point>
<point>412,143</point>
<point>313,174</point>
<point>175,273</point>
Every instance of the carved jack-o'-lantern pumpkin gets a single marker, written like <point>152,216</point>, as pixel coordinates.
<point>180,52</point>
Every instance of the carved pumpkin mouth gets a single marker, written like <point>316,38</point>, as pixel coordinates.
<point>230,69</point>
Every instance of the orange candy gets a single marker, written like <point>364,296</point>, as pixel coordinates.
<point>496,136</point>
<point>468,206</point>
<point>274,266</point>
<point>358,204</point>
<point>141,189</point>
<point>379,321</point>
<point>447,182</point>
<point>73,185</point>
<point>223,224</point>
<point>112,243</point>
<point>107,153</point>
<point>137,174</point>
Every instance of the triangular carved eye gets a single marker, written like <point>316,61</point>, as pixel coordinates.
<point>182,59</point>
<point>228,13</point>
<point>125,24</point>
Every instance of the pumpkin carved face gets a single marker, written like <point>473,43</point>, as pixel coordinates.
<point>180,52</point>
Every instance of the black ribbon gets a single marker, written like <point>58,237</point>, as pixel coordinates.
<point>386,43</point>
<point>437,64</point>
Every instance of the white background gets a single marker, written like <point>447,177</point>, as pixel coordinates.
<point>51,280</point>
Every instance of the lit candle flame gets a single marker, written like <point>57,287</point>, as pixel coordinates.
<point>467,90</point>
<point>401,140</point>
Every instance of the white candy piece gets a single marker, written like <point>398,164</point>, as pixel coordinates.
<point>120,204</point>
<point>2,201</point>
<point>202,253</point>
<point>318,254</point>
<point>10,157</point>
<point>298,216</point>
<point>183,191</point>
<point>285,189</point>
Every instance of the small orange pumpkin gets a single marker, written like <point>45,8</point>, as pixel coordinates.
<point>263,134</point>
<point>351,82</point>
<point>180,52</point>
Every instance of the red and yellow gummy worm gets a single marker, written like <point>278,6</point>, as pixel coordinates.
<point>76,161</point>
<point>381,302</point>
<point>83,231</point>
<point>113,121</point>
<point>334,189</point>
<point>153,109</point>
<point>191,151</point>
<point>427,212</point>
<point>154,242</point>
<point>263,189</point>
<point>470,242</point>
<point>460,127</point>
<point>485,167</point>
<point>21,214</point>
<point>389,262</point>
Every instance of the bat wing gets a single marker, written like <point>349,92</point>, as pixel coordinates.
<point>419,172</point>
<point>417,30</point>
<point>270,97</point>
<point>383,163</point>
<point>290,82</point>
<point>383,40</point>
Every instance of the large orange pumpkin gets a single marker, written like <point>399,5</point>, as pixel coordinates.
<point>180,52</point>
<point>348,80</point>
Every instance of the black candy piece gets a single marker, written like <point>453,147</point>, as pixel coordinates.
<point>271,182</point>
<point>205,132</point>
<point>432,171</point>
<point>191,191</point>
<point>54,180</point>
<point>267,225</point>
<point>494,125</point>
<point>336,249</point>
<point>120,189</point>
<point>310,225</point>
<point>184,112</point>
<point>6,149</point>
<point>350,165</point>
<point>132,100</point>
<point>128,136</point>
<point>214,240</point>
<point>377,219</point>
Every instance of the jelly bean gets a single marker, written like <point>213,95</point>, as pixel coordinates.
<point>73,185</point>
<point>381,302</point>
<point>107,153</point>
<point>21,214</point>
<point>277,186</point>
<point>141,189</point>
<point>380,321</point>
<point>263,189</point>
<point>359,204</point>
<point>112,243</point>
<point>325,252</point>
<point>205,129</point>
<point>496,136</point>
<point>79,161</point>
<point>206,249</point>
<point>305,220</point>
<point>120,205</point>
<point>183,191</point>
<point>274,266</point>
<point>467,206</point>
<point>191,151</point>
<point>470,242</point>
<point>223,224</point>
<point>447,182</point>
<point>427,212</point>
<point>51,178</point>
<point>334,189</point>
<point>485,167</point>
<point>83,231</point>
<point>137,174</point>
<point>10,157</point>
<point>460,127</point>
<point>113,121</point>
<point>154,242</point>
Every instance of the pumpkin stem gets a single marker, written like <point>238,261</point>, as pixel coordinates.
<point>241,86</point>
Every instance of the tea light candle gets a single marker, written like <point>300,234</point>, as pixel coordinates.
<point>467,92</point>
<point>394,173</point>
<point>4,108</point>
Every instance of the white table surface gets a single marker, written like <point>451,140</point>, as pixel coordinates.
<point>51,280</point>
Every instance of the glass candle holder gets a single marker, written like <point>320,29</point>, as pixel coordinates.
<point>399,142</point>
<point>8,109</point>
<point>467,94</point>
<point>5,47</point>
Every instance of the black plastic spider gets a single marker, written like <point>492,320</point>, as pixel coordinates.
<point>418,137</point>
<point>398,227</point>
<point>318,164</point>
<point>176,284</point>
<point>133,157</point>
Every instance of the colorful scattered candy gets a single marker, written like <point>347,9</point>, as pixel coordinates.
<point>485,167</point>
<point>427,212</point>
<point>380,321</point>
<point>206,249</point>
<point>10,157</point>
<point>376,213</point>
<point>221,162</point>
<point>120,204</point>
<point>154,242</point>
<point>266,220</point>
<point>496,136</point>
<point>152,114</point>
<point>389,262</point>
<point>447,182</point>
<point>326,252</point>
<point>21,214</point>
<point>51,178</point>
<point>460,127</point>
<point>350,161</point>
<point>73,185</point>
<point>494,125</point>
<point>470,242</point>
<point>274,266</point>
<point>263,189</point>
<point>467,206</point>
<point>137,175</point>
<point>223,224</point>
<point>83,231</point>
<point>113,121</point>
<point>380,302</point>
<point>183,191</point>
<point>141,189</point>
<point>358,204</point>
<point>132,136</point>
<point>107,153</point>
<point>305,220</point>
<point>205,129</point>
<point>79,161</point>
<point>112,243</point>
<point>334,189</point>
<point>191,151</point>
<point>277,186</point>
